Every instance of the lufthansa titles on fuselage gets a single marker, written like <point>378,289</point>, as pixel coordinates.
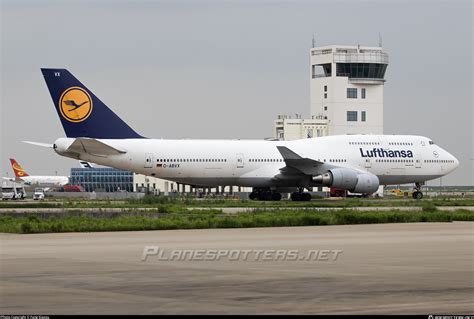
<point>380,152</point>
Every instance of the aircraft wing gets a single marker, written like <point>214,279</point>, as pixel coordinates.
<point>297,164</point>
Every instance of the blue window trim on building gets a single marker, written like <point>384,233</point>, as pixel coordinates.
<point>102,179</point>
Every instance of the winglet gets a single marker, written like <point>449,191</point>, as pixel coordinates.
<point>288,154</point>
<point>305,165</point>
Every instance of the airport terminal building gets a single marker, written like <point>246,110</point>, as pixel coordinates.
<point>102,179</point>
<point>106,179</point>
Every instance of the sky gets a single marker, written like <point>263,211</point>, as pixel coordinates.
<point>226,69</point>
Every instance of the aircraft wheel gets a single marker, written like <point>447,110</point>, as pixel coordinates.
<point>276,196</point>
<point>306,197</point>
<point>264,196</point>
<point>253,196</point>
<point>419,195</point>
<point>295,196</point>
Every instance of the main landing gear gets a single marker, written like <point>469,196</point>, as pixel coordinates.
<point>269,195</point>
<point>300,196</point>
<point>417,194</point>
<point>264,194</point>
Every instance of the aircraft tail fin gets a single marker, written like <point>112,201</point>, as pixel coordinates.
<point>85,164</point>
<point>17,169</point>
<point>82,114</point>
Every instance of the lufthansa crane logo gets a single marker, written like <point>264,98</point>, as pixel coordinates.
<point>75,104</point>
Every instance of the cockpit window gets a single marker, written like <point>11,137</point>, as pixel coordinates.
<point>431,142</point>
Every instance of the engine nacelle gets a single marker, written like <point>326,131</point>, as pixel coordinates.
<point>367,183</point>
<point>346,178</point>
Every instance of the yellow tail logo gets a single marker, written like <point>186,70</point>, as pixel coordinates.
<point>75,104</point>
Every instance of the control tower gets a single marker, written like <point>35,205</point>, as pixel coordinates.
<point>346,84</point>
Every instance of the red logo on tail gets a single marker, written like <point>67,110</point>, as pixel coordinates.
<point>17,169</point>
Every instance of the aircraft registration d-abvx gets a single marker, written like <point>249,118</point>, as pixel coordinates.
<point>358,163</point>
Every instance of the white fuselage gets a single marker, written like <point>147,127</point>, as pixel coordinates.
<point>394,159</point>
<point>45,181</point>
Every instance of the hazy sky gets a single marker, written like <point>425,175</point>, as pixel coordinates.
<point>225,69</point>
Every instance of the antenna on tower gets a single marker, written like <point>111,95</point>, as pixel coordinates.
<point>313,41</point>
<point>380,40</point>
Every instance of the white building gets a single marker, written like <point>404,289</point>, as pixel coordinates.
<point>288,128</point>
<point>153,185</point>
<point>346,89</point>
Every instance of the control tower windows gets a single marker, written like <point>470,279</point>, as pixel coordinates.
<point>351,93</point>
<point>361,70</point>
<point>362,116</point>
<point>321,70</point>
<point>362,93</point>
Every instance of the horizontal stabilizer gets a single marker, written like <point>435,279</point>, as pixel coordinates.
<point>93,147</point>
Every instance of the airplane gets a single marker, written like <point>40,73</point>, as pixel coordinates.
<point>42,181</point>
<point>357,163</point>
<point>85,164</point>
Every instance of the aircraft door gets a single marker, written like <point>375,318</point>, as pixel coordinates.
<point>148,160</point>
<point>418,161</point>
<point>240,160</point>
<point>368,163</point>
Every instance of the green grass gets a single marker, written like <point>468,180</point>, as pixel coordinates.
<point>209,219</point>
<point>14,204</point>
<point>179,204</point>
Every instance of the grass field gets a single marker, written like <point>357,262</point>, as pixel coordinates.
<point>174,204</point>
<point>211,219</point>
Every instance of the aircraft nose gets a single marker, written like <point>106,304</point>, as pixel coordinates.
<point>456,161</point>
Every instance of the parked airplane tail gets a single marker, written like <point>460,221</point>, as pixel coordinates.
<point>17,169</point>
<point>85,164</point>
<point>82,114</point>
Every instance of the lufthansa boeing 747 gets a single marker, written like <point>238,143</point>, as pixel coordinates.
<point>358,163</point>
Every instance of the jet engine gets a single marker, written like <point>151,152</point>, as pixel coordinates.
<point>346,178</point>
